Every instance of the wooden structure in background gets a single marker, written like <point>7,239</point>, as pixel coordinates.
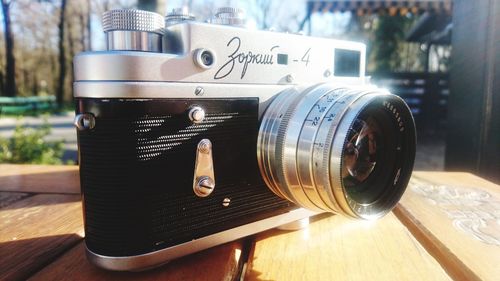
<point>425,93</point>
<point>367,7</point>
<point>473,137</point>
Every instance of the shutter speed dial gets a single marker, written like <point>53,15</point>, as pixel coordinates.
<point>229,16</point>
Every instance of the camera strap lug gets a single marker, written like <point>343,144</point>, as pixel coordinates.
<point>204,178</point>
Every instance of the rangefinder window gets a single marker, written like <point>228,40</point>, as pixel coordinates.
<point>347,63</point>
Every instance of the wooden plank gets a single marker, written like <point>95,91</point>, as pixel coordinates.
<point>337,248</point>
<point>7,198</point>
<point>40,178</point>
<point>456,217</point>
<point>35,230</point>
<point>218,263</point>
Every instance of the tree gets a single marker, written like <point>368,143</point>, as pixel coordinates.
<point>152,5</point>
<point>89,27</point>
<point>148,5</point>
<point>264,6</point>
<point>10,67</point>
<point>62,57</point>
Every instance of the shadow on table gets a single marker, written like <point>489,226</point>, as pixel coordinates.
<point>19,259</point>
<point>32,202</point>
<point>218,263</point>
<point>253,275</point>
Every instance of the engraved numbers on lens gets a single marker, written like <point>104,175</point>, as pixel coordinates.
<point>305,156</point>
<point>396,114</point>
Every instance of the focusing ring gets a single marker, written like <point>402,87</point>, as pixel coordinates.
<point>133,20</point>
<point>303,137</point>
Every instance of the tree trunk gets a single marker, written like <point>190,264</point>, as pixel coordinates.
<point>72,51</point>
<point>26,80</point>
<point>2,85</point>
<point>82,37</point>
<point>10,67</point>
<point>62,58</point>
<point>148,5</point>
<point>35,85</point>
<point>89,26</point>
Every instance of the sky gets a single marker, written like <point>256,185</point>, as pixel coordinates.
<point>283,16</point>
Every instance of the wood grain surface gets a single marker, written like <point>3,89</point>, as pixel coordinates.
<point>450,228</point>
<point>36,229</point>
<point>456,217</point>
<point>337,248</point>
<point>39,178</point>
<point>215,264</point>
<point>8,198</point>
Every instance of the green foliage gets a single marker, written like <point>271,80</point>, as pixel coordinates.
<point>28,145</point>
<point>390,51</point>
<point>389,32</point>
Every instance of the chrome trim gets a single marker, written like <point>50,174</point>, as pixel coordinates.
<point>145,90</point>
<point>149,260</point>
<point>84,121</point>
<point>229,16</point>
<point>133,20</point>
<point>200,61</point>
<point>306,144</point>
<point>150,90</point>
<point>178,15</point>
<point>300,146</point>
<point>332,158</point>
<point>293,135</point>
<point>204,176</point>
<point>308,58</point>
<point>126,40</point>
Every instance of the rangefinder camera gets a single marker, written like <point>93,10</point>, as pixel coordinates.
<point>193,134</point>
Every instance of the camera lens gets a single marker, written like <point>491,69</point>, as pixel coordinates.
<point>360,151</point>
<point>338,149</point>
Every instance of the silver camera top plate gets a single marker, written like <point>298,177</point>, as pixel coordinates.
<point>233,56</point>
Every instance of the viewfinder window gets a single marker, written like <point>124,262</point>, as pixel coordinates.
<point>347,63</point>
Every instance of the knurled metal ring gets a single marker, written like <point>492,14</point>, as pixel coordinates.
<point>178,15</point>
<point>133,20</point>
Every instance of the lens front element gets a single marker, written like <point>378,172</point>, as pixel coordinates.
<point>360,151</point>
<point>338,149</point>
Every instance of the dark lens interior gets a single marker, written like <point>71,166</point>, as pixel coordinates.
<point>378,152</point>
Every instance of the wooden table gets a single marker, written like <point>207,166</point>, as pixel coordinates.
<point>447,226</point>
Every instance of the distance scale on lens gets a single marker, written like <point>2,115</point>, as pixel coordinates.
<point>309,139</point>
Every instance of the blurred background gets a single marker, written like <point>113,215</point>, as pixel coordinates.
<point>441,56</point>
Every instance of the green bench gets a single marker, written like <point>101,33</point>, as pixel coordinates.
<point>21,105</point>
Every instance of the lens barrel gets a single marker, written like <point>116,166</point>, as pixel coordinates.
<point>339,149</point>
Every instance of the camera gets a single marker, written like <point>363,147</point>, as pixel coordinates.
<point>193,134</point>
